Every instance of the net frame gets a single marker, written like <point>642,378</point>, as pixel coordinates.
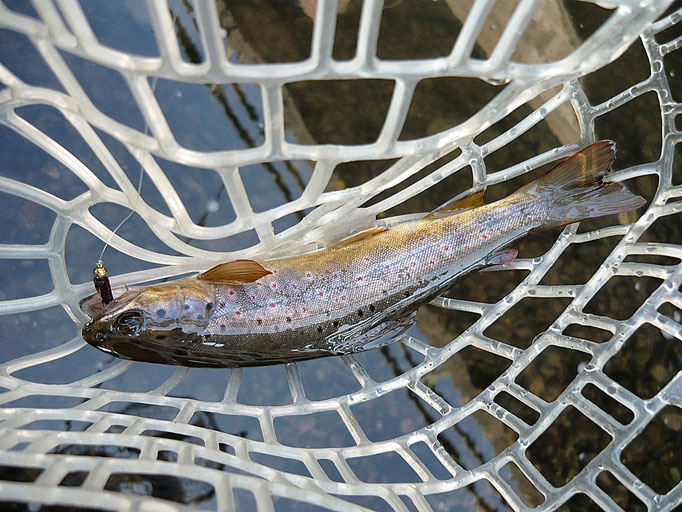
<point>64,26</point>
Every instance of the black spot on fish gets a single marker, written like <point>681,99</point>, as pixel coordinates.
<point>319,329</point>
<point>161,337</point>
<point>384,292</point>
<point>209,306</point>
<point>161,313</point>
<point>186,307</point>
<point>336,323</point>
<point>221,304</point>
<point>288,319</point>
<point>371,307</point>
<point>222,327</point>
<point>407,294</point>
<point>360,313</point>
<point>260,322</point>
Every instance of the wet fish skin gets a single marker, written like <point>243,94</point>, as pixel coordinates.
<point>351,296</point>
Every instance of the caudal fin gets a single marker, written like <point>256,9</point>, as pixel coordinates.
<point>575,189</point>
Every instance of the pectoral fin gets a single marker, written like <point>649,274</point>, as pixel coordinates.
<point>237,271</point>
<point>473,200</point>
<point>377,336</point>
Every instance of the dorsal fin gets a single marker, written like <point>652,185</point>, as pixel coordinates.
<point>360,236</point>
<point>473,200</point>
<point>237,271</point>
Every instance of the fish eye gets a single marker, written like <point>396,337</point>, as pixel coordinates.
<point>128,323</point>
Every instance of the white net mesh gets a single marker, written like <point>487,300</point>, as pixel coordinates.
<point>245,152</point>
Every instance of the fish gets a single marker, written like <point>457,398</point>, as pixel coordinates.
<point>358,294</point>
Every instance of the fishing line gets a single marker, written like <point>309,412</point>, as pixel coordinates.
<point>101,280</point>
<point>139,190</point>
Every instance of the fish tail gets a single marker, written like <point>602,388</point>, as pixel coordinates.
<point>575,189</point>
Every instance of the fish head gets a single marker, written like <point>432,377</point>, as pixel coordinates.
<point>141,322</point>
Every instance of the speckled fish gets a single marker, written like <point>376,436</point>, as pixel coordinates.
<point>358,294</point>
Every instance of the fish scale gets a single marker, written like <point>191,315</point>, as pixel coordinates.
<point>355,295</point>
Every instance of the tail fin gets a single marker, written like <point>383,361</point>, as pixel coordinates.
<point>575,188</point>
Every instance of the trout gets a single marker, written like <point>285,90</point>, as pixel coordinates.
<point>356,295</point>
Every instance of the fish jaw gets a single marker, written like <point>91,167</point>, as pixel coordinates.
<point>149,348</point>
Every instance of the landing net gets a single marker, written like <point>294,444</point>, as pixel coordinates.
<point>86,110</point>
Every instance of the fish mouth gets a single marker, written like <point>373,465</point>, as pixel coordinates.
<point>93,334</point>
<point>125,348</point>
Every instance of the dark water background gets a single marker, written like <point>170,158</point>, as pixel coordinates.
<point>208,117</point>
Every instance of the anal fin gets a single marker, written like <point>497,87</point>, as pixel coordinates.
<point>502,257</point>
